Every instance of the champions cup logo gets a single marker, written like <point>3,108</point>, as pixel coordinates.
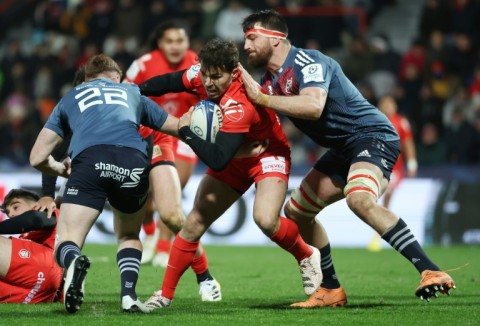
<point>312,69</point>
<point>24,253</point>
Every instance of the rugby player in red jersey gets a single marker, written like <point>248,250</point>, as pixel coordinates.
<point>250,148</point>
<point>28,271</point>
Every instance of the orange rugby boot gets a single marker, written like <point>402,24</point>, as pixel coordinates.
<point>324,298</point>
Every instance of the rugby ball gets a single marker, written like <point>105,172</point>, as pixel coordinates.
<point>206,120</point>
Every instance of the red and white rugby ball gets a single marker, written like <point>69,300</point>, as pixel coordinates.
<point>206,120</point>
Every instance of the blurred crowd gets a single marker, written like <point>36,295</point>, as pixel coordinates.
<point>436,82</point>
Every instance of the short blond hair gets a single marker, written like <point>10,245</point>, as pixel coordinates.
<point>99,64</point>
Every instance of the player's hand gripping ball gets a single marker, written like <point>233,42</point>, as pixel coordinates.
<point>206,120</point>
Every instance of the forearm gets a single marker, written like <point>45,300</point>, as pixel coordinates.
<point>218,155</point>
<point>51,167</point>
<point>297,106</point>
<point>162,84</point>
<point>28,221</point>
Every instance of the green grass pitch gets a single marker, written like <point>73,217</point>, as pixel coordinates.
<point>259,283</point>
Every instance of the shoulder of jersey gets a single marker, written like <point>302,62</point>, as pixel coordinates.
<point>304,58</point>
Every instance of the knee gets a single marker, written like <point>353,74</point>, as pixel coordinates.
<point>361,203</point>
<point>173,219</point>
<point>266,223</point>
<point>303,205</point>
<point>362,191</point>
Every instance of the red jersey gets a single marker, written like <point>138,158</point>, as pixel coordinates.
<point>153,64</point>
<point>239,114</point>
<point>402,126</point>
<point>44,237</point>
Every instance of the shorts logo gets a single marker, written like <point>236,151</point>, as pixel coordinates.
<point>384,163</point>
<point>274,164</point>
<point>135,176</point>
<point>364,153</point>
<point>36,288</point>
<point>24,253</point>
<point>72,191</point>
<point>157,151</point>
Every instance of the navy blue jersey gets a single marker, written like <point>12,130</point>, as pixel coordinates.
<point>101,112</point>
<point>347,115</point>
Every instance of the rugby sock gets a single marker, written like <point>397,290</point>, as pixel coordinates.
<point>200,267</point>
<point>66,252</point>
<point>401,239</point>
<point>149,228</point>
<point>128,261</point>
<point>288,238</point>
<point>181,257</point>
<point>330,280</point>
<point>163,245</point>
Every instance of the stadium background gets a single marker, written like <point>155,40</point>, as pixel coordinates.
<point>425,53</point>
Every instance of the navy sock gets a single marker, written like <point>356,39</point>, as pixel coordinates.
<point>205,276</point>
<point>66,252</point>
<point>401,239</point>
<point>330,280</point>
<point>128,261</point>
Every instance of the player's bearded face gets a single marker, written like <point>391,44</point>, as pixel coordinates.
<point>260,52</point>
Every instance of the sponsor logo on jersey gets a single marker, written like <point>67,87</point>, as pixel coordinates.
<point>288,85</point>
<point>36,288</point>
<point>193,71</point>
<point>24,253</point>
<point>313,73</point>
<point>233,110</point>
<point>274,164</point>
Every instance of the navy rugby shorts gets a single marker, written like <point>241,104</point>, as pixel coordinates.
<point>116,173</point>
<point>336,162</point>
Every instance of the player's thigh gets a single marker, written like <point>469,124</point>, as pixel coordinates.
<point>212,199</point>
<point>75,222</point>
<point>128,225</point>
<point>185,170</point>
<point>6,257</point>
<point>376,173</point>
<point>323,186</point>
<point>269,199</point>
<point>167,192</point>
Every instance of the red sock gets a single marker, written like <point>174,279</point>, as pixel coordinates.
<point>149,228</point>
<point>288,238</point>
<point>200,263</point>
<point>181,257</point>
<point>163,246</point>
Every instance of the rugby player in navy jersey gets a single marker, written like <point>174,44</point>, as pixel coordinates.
<point>108,161</point>
<point>311,89</point>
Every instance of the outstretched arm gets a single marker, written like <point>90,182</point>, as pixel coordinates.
<point>28,221</point>
<point>162,84</point>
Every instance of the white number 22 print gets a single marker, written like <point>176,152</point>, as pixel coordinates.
<point>95,96</point>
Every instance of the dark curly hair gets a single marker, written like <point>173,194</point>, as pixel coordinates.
<point>17,193</point>
<point>219,54</point>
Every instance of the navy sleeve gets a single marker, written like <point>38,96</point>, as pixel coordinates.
<point>26,222</point>
<point>162,84</point>
<point>154,115</point>
<point>215,155</point>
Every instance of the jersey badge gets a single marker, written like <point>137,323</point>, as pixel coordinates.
<point>24,253</point>
<point>313,73</point>
<point>233,111</point>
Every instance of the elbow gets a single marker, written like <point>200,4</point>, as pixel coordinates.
<point>35,161</point>
<point>316,112</point>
